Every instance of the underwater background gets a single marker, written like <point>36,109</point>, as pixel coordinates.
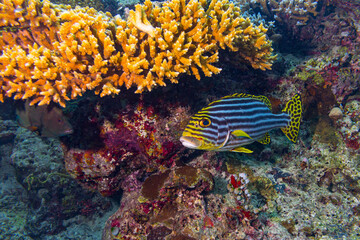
<point>103,91</point>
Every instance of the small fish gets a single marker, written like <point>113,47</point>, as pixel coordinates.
<point>240,119</point>
<point>47,121</point>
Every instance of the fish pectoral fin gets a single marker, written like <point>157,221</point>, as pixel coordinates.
<point>240,133</point>
<point>241,149</point>
<point>265,139</point>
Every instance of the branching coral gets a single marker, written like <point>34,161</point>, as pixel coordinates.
<point>297,10</point>
<point>284,10</point>
<point>54,53</point>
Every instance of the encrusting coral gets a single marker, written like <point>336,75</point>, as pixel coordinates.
<point>52,53</point>
<point>297,11</point>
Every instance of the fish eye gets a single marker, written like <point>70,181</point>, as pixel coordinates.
<point>205,122</point>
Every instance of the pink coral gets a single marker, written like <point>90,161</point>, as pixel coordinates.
<point>133,144</point>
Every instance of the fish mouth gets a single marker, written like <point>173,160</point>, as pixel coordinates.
<point>190,142</point>
<point>70,131</point>
<point>67,132</point>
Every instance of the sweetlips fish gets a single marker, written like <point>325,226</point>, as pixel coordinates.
<point>46,120</point>
<point>240,119</point>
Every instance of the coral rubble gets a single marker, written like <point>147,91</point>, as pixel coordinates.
<point>52,53</point>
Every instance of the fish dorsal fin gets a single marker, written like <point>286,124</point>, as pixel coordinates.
<point>265,139</point>
<point>240,133</point>
<point>241,149</point>
<point>260,98</point>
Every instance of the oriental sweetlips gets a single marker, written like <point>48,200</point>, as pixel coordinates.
<point>240,119</point>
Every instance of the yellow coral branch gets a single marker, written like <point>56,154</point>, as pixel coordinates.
<point>141,21</point>
<point>51,53</point>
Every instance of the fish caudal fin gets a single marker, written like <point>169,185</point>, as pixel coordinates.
<point>294,109</point>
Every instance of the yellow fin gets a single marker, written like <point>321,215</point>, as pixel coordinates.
<point>265,139</point>
<point>241,149</point>
<point>294,109</point>
<point>240,133</point>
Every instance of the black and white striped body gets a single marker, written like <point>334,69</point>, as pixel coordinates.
<point>218,125</point>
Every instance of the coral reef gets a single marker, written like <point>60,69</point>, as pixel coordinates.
<point>13,205</point>
<point>54,53</point>
<point>96,4</point>
<point>129,144</point>
<point>136,140</point>
<point>309,190</point>
<point>336,70</point>
<point>237,185</point>
<point>168,202</point>
<point>7,131</point>
<point>349,124</point>
<point>38,198</point>
<point>41,172</point>
<point>123,4</point>
<point>316,182</point>
<point>295,12</point>
<point>137,144</point>
<point>177,204</point>
<point>314,189</point>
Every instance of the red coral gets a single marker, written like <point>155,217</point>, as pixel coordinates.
<point>147,208</point>
<point>353,143</point>
<point>235,183</point>
<point>133,143</point>
<point>329,73</point>
<point>246,214</point>
<point>208,223</point>
<point>115,223</point>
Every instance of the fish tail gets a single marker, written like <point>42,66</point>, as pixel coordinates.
<point>294,109</point>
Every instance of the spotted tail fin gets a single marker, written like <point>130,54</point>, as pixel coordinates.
<point>294,109</point>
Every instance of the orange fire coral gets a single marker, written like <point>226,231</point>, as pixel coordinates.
<point>55,53</point>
